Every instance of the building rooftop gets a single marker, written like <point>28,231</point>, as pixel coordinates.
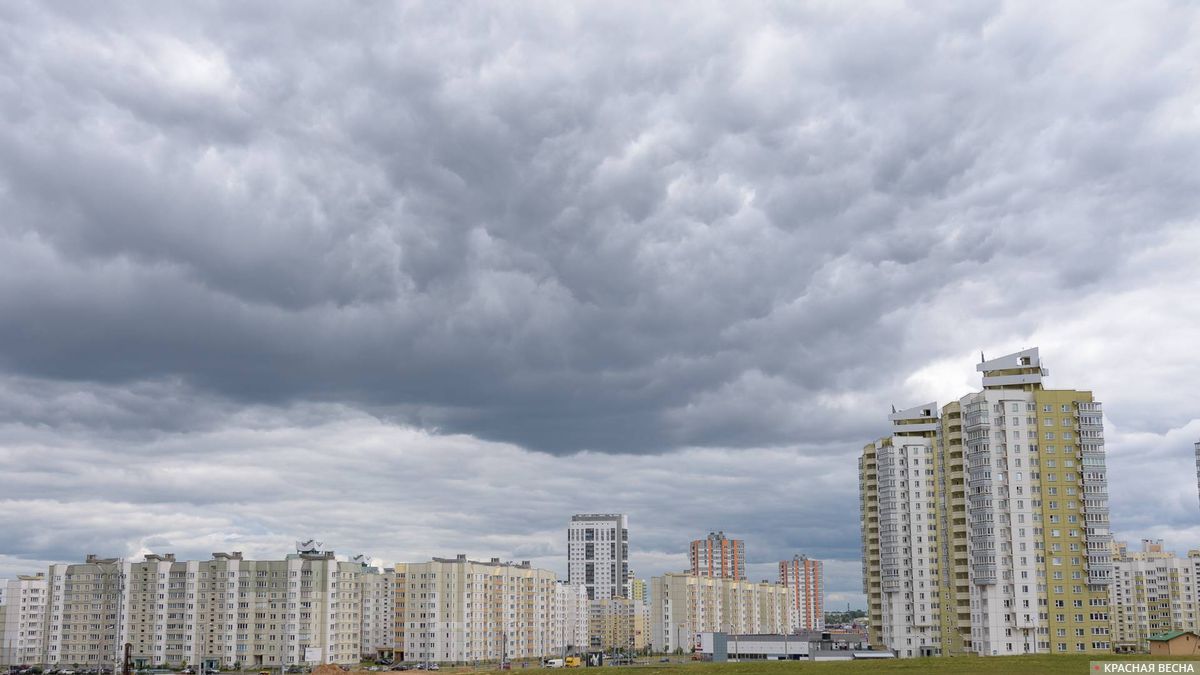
<point>1165,637</point>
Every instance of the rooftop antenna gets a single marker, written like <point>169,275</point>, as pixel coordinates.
<point>981,359</point>
<point>893,408</point>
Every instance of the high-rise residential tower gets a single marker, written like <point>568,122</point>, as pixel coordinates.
<point>805,581</point>
<point>598,554</point>
<point>985,528</point>
<point>719,556</point>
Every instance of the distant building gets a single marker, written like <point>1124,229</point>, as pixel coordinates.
<point>22,619</point>
<point>637,589</point>
<point>213,613</point>
<point>454,609</point>
<point>572,616</point>
<point>1153,592</point>
<point>598,554</point>
<point>685,605</point>
<point>377,588</point>
<point>1198,465</point>
<point>805,581</point>
<point>719,556</point>
<point>612,625</point>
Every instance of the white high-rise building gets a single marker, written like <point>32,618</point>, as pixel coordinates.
<point>985,527</point>
<point>22,620</point>
<point>571,615</point>
<point>598,554</point>
<point>907,544</point>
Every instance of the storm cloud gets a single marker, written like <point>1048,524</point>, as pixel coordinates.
<point>428,277</point>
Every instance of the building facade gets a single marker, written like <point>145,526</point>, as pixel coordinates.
<point>217,612</point>
<point>459,610</point>
<point>718,556</point>
<point>685,605</point>
<point>638,590</point>
<point>598,554</point>
<point>572,616</point>
<point>22,620</point>
<point>377,587</point>
<point>985,527</point>
<point>805,581</point>
<point>612,625</point>
<point>1153,592</point>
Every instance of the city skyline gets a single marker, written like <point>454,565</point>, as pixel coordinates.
<point>427,281</point>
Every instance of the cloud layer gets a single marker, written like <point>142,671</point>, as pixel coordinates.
<point>279,271</point>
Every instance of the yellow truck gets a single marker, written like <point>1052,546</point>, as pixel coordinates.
<point>572,662</point>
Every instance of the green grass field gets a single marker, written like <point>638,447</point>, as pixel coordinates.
<point>1065,664</point>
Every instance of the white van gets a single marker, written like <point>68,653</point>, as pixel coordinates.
<point>553,663</point>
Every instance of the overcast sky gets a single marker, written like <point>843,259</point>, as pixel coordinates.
<point>426,279</point>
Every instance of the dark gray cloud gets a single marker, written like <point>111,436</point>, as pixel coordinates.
<point>589,227</point>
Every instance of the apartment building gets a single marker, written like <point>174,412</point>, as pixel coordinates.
<point>612,624</point>
<point>459,610</point>
<point>1153,592</point>
<point>377,588</point>
<point>22,619</point>
<point>805,581</point>
<point>572,616</point>
<point>637,588</point>
<point>217,612</point>
<point>905,610</point>
<point>685,605</point>
<point>985,524</point>
<point>598,554</point>
<point>718,556</point>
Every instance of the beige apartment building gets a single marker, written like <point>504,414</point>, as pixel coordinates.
<point>685,605</point>
<point>22,620</point>
<point>463,611</point>
<point>1153,592</point>
<point>218,612</point>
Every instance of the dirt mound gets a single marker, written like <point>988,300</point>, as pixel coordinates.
<point>327,669</point>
